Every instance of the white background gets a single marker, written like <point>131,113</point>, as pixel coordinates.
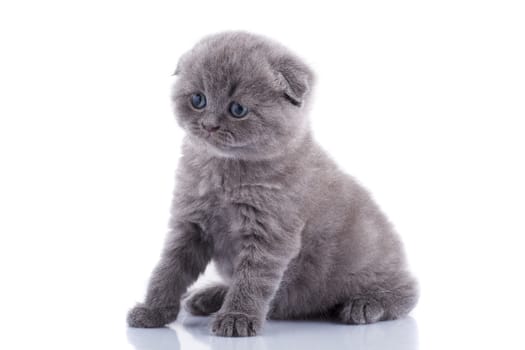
<point>422,101</point>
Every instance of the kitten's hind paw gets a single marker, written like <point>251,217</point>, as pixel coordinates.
<point>142,316</point>
<point>206,301</point>
<point>361,311</point>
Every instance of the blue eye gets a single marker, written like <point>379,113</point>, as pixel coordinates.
<point>198,101</point>
<point>238,110</point>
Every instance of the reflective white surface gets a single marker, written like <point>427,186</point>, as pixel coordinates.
<point>191,332</point>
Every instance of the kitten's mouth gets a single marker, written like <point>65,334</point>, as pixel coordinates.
<point>224,144</point>
<point>222,140</point>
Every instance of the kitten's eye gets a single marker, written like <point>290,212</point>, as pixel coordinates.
<point>198,101</point>
<point>238,110</point>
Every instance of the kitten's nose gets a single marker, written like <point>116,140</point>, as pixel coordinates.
<point>210,128</point>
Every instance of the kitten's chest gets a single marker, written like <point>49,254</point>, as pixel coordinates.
<point>218,192</point>
<point>224,194</point>
<point>226,181</point>
<point>211,189</point>
<point>221,189</point>
<point>215,183</point>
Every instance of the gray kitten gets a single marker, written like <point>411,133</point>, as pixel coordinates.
<point>290,233</point>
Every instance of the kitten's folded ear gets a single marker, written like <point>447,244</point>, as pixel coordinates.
<point>293,78</point>
<point>177,70</point>
<point>180,64</point>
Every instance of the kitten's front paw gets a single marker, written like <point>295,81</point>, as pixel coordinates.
<point>142,316</point>
<point>235,324</point>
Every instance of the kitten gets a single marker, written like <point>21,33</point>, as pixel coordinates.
<point>290,233</point>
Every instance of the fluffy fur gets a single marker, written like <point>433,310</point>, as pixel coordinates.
<point>290,233</point>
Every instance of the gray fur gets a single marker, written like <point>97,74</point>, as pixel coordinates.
<point>290,233</point>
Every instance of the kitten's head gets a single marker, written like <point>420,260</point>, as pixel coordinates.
<point>241,95</point>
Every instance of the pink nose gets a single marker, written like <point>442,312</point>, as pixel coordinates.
<point>210,128</point>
